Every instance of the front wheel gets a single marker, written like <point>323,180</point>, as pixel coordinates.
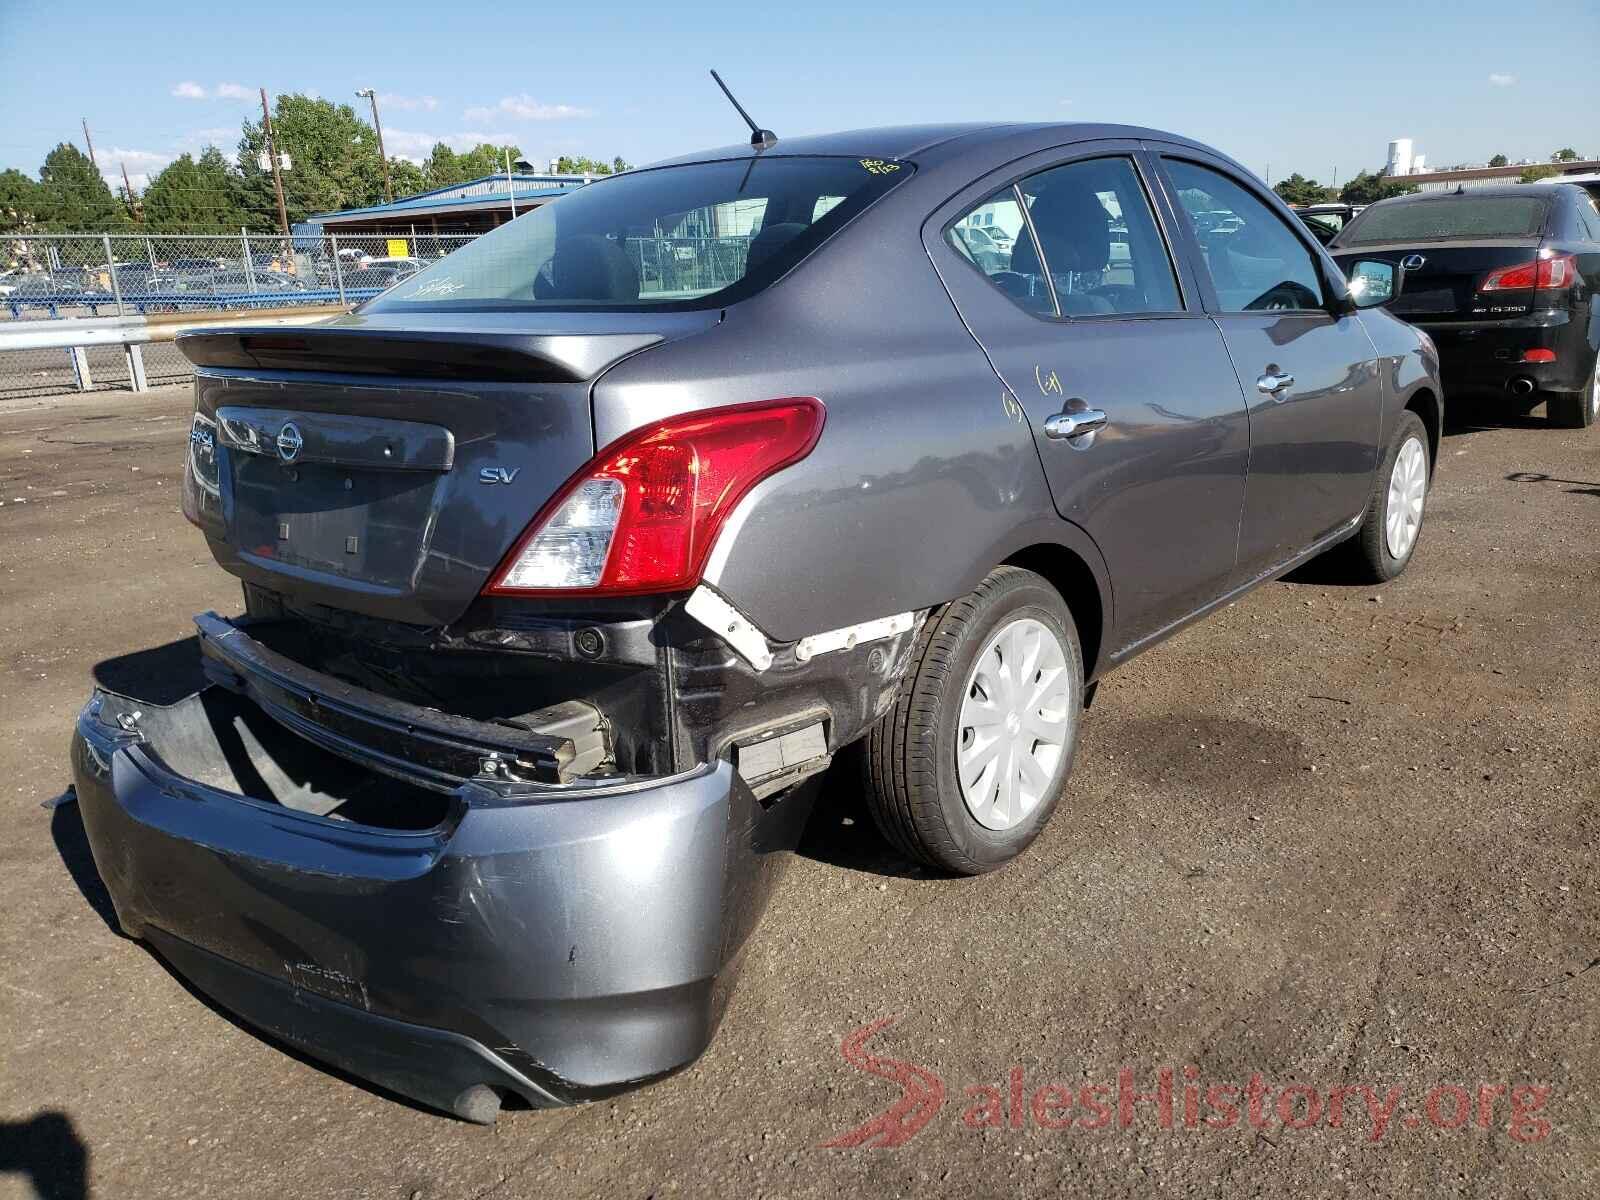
<point>965,770</point>
<point>1384,543</point>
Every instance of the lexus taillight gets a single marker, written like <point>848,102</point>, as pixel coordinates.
<point>644,514</point>
<point>1557,271</point>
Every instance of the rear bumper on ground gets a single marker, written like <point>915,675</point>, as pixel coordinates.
<point>1478,357</point>
<point>559,947</point>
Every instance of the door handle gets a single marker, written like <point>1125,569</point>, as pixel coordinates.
<point>1074,424</point>
<point>1274,381</point>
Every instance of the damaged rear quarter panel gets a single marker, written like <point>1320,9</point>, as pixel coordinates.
<point>923,466</point>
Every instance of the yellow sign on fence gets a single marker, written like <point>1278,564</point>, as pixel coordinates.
<point>399,248</point>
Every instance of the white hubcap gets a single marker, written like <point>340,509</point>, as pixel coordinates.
<point>1408,487</point>
<point>1016,715</point>
<point>1594,392</point>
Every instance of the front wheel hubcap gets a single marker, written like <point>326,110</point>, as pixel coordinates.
<point>1015,721</point>
<point>1408,488</point>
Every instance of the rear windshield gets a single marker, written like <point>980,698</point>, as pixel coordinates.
<point>1455,217</point>
<point>694,236</point>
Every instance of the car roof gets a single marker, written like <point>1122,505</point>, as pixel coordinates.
<point>913,141</point>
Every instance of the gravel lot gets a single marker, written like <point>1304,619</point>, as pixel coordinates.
<point>1332,836</point>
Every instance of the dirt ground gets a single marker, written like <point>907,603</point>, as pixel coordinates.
<point>1334,838</point>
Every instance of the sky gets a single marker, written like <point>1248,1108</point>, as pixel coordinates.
<point>1314,87</point>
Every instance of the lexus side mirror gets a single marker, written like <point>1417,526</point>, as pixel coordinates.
<point>1373,283</point>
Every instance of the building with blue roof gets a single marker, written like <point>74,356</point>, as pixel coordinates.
<point>476,206</point>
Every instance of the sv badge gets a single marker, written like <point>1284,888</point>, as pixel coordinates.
<point>498,474</point>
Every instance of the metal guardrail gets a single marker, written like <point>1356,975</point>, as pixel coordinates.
<point>67,278</point>
<point>133,332</point>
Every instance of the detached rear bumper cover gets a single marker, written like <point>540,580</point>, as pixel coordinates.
<point>558,948</point>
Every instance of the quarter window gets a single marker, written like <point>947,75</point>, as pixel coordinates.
<point>1256,264</point>
<point>988,236</point>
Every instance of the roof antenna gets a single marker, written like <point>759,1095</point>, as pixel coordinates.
<point>761,139</point>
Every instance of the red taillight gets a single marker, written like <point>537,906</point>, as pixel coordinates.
<point>1538,356</point>
<point>643,515</point>
<point>1558,271</point>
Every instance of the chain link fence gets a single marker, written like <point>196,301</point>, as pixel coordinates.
<point>64,276</point>
<point>59,276</point>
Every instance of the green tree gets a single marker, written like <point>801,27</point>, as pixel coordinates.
<point>1297,189</point>
<point>73,198</point>
<point>1499,160</point>
<point>1371,186</point>
<point>1534,174</point>
<point>445,168</point>
<point>1567,154</point>
<point>407,177</point>
<point>195,196</point>
<point>333,156</point>
<point>579,165</point>
<point>19,202</point>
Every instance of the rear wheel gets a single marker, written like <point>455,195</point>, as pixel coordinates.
<point>966,769</point>
<point>1388,535</point>
<point>1577,410</point>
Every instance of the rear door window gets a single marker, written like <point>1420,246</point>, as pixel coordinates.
<point>1101,245</point>
<point>693,236</point>
<point>1088,242</point>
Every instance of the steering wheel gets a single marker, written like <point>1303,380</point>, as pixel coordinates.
<point>1284,296</point>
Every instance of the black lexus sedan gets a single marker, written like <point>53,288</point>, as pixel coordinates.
<point>1504,280</point>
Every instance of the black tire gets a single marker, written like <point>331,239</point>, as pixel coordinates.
<point>909,761</point>
<point>1365,558</point>
<point>1576,410</point>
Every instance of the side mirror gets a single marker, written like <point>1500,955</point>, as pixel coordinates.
<point>1373,282</point>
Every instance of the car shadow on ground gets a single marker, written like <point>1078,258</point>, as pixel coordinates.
<point>841,831</point>
<point>1477,416</point>
<point>46,1150</point>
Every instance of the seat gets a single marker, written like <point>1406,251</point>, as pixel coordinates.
<point>1074,228</point>
<point>769,241</point>
<point>589,267</point>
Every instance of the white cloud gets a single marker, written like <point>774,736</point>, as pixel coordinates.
<point>234,91</point>
<point>408,103</point>
<point>416,145</point>
<point>189,91</point>
<point>143,166</point>
<point>1499,80</point>
<point>525,108</point>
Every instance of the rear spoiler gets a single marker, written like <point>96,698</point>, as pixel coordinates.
<point>420,354</point>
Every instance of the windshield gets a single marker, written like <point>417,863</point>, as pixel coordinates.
<point>695,236</point>
<point>1450,218</point>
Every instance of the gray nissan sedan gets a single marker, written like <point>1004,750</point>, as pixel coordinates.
<point>568,561</point>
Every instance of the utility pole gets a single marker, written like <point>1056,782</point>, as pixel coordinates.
<point>134,206</point>
<point>511,190</point>
<point>272,153</point>
<point>88,141</point>
<point>388,188</point>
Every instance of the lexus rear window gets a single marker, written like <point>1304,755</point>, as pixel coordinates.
<point>693,236</point>
<point>1454,218</point>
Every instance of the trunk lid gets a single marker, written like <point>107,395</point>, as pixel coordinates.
<point>1445,286</point>
<point>385,465</point>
